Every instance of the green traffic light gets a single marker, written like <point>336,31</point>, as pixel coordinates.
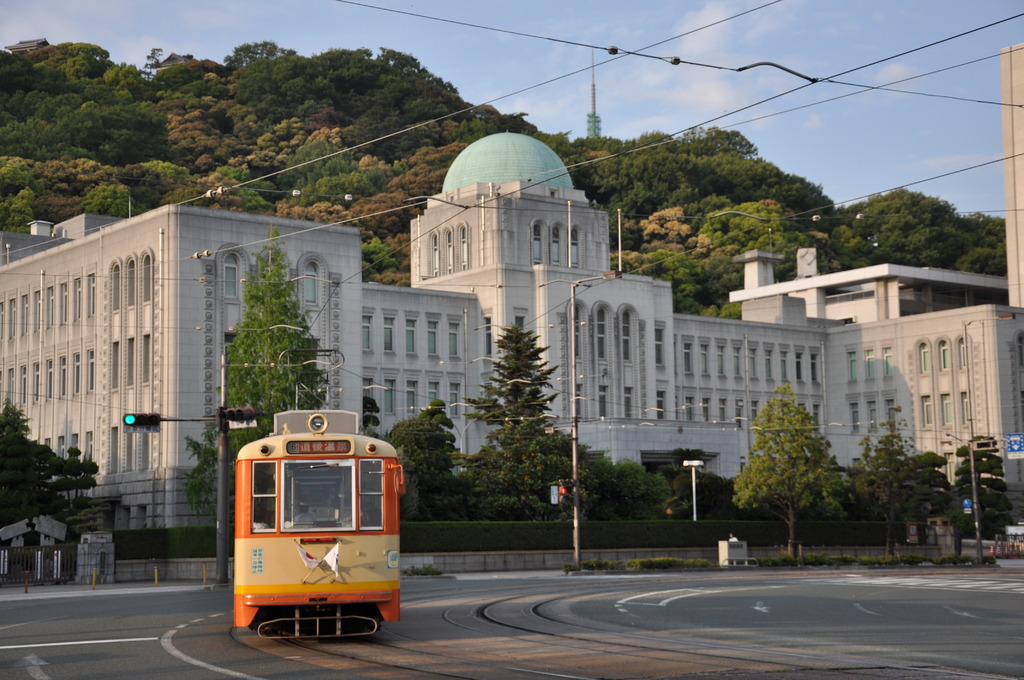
<point>129,419</point>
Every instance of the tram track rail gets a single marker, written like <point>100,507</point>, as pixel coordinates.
<point>518,632</point>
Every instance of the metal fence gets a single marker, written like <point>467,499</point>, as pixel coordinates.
<point>34,565</point>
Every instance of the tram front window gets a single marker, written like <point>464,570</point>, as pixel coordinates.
<point>317,495</point>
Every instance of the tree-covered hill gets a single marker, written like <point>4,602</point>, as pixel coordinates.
<point>347,134</point>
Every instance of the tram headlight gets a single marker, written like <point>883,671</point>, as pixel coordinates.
<point>317,423</point>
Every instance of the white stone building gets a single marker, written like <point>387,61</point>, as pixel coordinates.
<point>101,317</point>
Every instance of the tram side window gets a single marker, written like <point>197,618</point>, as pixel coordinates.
<point>317,495</point>
<point>371,494</point>
<point>264,496</point>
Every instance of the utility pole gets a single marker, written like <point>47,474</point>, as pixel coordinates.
<point>223,475</point>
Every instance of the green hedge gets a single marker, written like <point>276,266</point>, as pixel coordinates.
<point>437,537</point>
<point>159,544</point>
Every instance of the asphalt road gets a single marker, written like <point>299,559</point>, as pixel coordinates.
<point>963,623</point>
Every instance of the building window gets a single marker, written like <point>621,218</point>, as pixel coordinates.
<point>90,294</point>
<point>602,401</point>
<point>129,282</point>
<point>783,364</point>
<point>90,370</point>
<point>367,333</point>
<point>24,384</point>
<point>602,334</point>
<point>798,358</point>
<point>851,362</point>
<point>410,335</point>
<point>944,358</point>
<point>659,346</point>
<point>76,372</point>
<point>488,348</point>
<point>869,363</point>
<point>720,359</point>
<point>947,409</point>
<point>965,408</point>
<point>115,365</point>
<point>768,364</point>
<point>659,403</point>
<point>49,307</point>
<point>627,402</point>
<point>855,417</point>
<point>627,336</point>
<point>147,278</point>
<point>464,248</point>
<point>309,283</point>
<point>37,300</point>
<point>538,245</point>
<point>454,391</point>
<point>24,314</point>
<point>432,337</point>
<point>449,252</point>
<point>129,362</point>
<point>389,334</point>
<point>703,359</point>
<point>389,395</point>
<point>63,304</point>
<point>926,410</point>
<point>737,365</point>
<point>49,378</point>
<point>147,357</point>
<point>961,346</point>
<point>574,248</point>
<point>453,339</point>
<point>435,256</point>
<point>411,387</point>
<point>688,408</point>
<point>814,367</point>
<point>687,357</point>
<point>231,276</point>
<point>115,287</point>
<point>888,363</point>
<point>63,377</point>
<point>752,362</point>
<point>556,246</point>
<point>722,407</point>
<point>35,382</point>
<point>873,415</point>
<point>924,358</point>
<point>76,299</point>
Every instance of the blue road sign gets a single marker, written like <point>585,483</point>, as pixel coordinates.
<point>1015,445</point>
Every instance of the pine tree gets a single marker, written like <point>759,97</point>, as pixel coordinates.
<point>885,477</point>
<point>994,505</point>
<point>514,472</point>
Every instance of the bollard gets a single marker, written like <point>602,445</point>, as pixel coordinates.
<point>94,579</point>
<point>26,581</point>
<point>204,573</point>
<point>156,577</point>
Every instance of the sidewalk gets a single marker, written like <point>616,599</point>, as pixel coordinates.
<point>46,592</point>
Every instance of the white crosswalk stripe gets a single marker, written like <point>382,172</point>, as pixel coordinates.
<point>939,583</point>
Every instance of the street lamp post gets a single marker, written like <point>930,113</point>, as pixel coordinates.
<point>693,465</point>
<point>971,446</point>
<point>573,412</point>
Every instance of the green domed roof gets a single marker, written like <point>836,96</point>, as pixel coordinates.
<point>507,157</point>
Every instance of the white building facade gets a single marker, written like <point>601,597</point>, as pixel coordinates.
<point>102,317</point>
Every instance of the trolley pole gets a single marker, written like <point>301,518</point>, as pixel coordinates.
<point>223,475</point>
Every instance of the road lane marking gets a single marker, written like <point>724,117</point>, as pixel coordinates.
<point>960,613</point>
<point>168,645</point>
<point>762,607</point>
<point>859,606</point>
<point>79,642</point>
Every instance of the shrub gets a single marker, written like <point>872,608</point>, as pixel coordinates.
<point>667,563</point>
<point>782,560</point>
<point>602,565</point>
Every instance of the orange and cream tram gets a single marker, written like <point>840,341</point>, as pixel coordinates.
<point>316,528</point>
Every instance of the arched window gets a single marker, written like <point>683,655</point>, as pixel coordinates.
<point>961,350</point>
<point>115,287</point>
<point>449,252</point>
<point>464,248</point>
<point>311,273</point>
<point>435,256</point>
<point>627,336</point>
<point>147,278</point>
<point>944,356</point>
<point>581,314</point>
<point>231,276</point>
<point>574,248</point>
<point>601,333</point>
<point>538,246</point>
<point>924,357</point>
<point>129,282</point>
<point>556,246</point>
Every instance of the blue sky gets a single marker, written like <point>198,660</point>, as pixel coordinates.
<point>854,146</point>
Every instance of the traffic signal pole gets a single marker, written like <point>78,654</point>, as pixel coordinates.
<point>223,475</point>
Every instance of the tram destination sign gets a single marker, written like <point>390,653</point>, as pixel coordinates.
<point>319,446</point>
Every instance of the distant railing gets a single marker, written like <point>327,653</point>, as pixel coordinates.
<point>34,565</point>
